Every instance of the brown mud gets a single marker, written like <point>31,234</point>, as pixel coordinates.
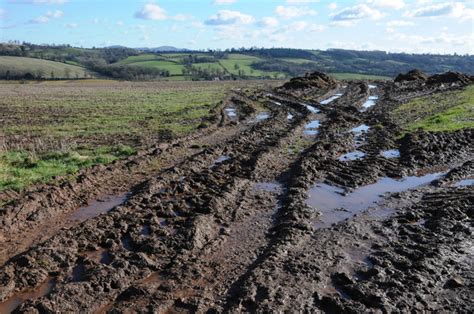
<point>255,214</point>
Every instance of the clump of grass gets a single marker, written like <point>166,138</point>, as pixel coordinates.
<point>19,169</point>
<point>440,112</point>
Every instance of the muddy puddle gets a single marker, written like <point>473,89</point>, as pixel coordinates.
<point>371,101</point>
<point>351,156</point>
<point>330,99</point>
<point>262,116</point>
<point>360,133</point>
<point>100,255</point>
<point>97,207</point>
<point>391,153</point>
<point>312,109</point>
<point>311,129</point>
<point>220,159</point>
<point>273,187</point>
<point>17,299</point>
<point>465,182</point>
<point>289,117</point>
<point>372,86</point>
<point>231,113</point>
<point>335,205</point>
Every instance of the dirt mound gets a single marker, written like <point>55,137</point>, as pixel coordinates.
<point>413,75</point>
<point>450,77</point>
<point>317,80</point>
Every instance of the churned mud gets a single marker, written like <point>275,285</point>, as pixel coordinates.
<point>307,197</point>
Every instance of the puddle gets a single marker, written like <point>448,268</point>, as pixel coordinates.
<point>100,256</point>
<point>267,187</point>
<point>336,207</point>
<point>371,86</point>
<point>276,103</point>
<point>78,272</point>
<point>127,243</point>
<point>391,153</point>
<point>231,113</point>
<point>311,128</point>
<point>369,103</point>
<point>262,116</point>
<point>221,159</point>
<point>355,155</point>
<point>330,99</point>
<point>97,207</point>
<point>359,134</point>
<point>289,117</point>
<point>465,182</point>
<point>146,230</point>
<point>17,299</point>
<point>163,221</point>
<point>312,109</point>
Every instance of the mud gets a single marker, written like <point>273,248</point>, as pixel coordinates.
<point>234,222</point>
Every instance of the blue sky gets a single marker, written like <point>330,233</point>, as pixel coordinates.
<point>393,25</point>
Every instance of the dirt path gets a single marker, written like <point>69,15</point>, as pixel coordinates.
<point>296,208</point>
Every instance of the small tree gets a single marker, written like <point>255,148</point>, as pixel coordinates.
<point>52,75</point>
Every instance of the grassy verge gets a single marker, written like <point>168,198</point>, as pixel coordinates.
<point>440,112</point>
<point>19,169</point>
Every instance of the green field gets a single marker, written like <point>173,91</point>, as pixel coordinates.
<point>439,112</point>
<point>43,68</point>
<point>55,128</point>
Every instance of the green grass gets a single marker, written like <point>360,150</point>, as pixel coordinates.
<point>45,67</point>
<point>244,63</point>
<point>357,76</point>
<point>440,112</point>
<point>19,169</point>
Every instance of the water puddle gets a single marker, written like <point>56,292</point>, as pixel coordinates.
<point>354,155</point>
<point>97,207</point>
<point>465,182</point>
<point>127,243</point>
<point>100,256</point>
<point>78,272</point>
<point>146,230</point>
<point>311,128</point>
<point>262,116</point>
<point>369,103</point>
<point>359,133</point>
<point>312,109</point>
<point>221,159</point>
<point>391,153</point>
<point>289,117</point>
<point>371,86</point>
<point>330,99</point>
<point>231,113</point>
<point>272,187</point>
<point>276,102</point>
<point>17,299</point>
<point>336,206</point>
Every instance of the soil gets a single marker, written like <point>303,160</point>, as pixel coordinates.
<point>227,223</point>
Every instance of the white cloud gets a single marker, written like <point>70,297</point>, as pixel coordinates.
<point>392,4</point>
<point>151,11</point>
<point>71,25</point>
<point>356,13</point>
<point>228,17</point>
<point>301,1</point>
<point>43,19</point>
<point>451,9</point>
<point>119,23</point>
<point>268,22</point>
<point>332,6</point>
<point>316,28</point>
<point>292,12</point>
<point>398,23</point>
<point>345,23</point>
<point>298,26</point>
<point>223,2</point>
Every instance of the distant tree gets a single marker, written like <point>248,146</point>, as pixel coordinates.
<point>52,75</point>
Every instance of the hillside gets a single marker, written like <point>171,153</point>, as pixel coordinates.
<point>21,67</point>
<point>255,63</point>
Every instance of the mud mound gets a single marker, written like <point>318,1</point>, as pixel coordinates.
<point>450,77</point>
<point>413,75</point>
<point>318,80</point>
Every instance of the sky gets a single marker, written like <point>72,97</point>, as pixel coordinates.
<point>414,26</point>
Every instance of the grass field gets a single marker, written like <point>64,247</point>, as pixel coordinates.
<point>56,128</point>
<point>47,69</point>
<point>439,112</point>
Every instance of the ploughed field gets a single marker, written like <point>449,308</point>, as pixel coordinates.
<point>316,195</point>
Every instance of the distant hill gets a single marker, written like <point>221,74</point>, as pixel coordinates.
<point>171,63</point>
<point>20,67</point>
<point>162,49</point>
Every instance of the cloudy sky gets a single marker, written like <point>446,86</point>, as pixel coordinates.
<point>392,25</point>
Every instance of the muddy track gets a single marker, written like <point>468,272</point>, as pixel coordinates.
<point>240,223</point>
